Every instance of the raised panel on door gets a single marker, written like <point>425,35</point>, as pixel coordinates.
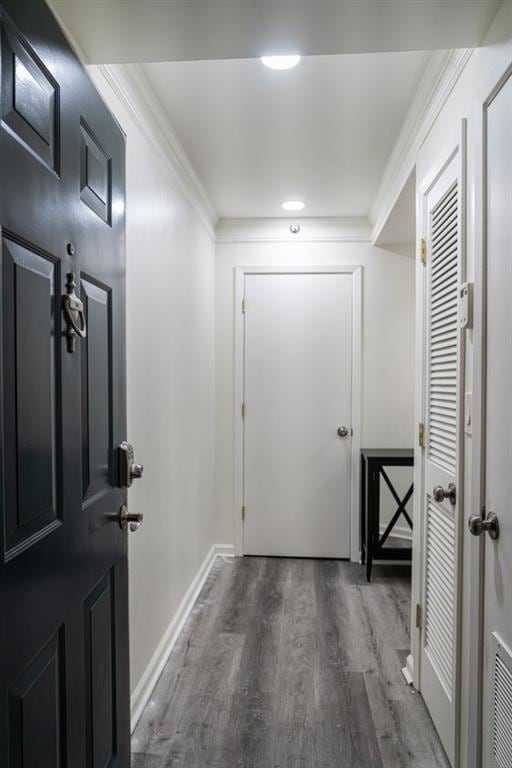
<point>29,98</point>
<point>95,174</point>
<point>31,424</point>
<point>100,660</point>
<point>37,711</point>
<point>96,389</point>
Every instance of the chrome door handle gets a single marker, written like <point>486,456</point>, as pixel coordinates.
<point>489,524</point>
<point>342,431</point>
<point>440,494</point>
<point>132,519</point>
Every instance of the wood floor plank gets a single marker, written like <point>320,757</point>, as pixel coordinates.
<point>290,663</point>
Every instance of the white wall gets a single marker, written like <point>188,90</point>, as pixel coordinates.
<point>388,345</point>
<point>170,349</point>
<point>480,76</point>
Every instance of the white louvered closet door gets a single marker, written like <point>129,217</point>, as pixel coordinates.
<point>442,452</point>
<point>497,630</point>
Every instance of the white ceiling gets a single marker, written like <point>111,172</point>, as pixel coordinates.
<point>132,31</point>
<point>321,132</point>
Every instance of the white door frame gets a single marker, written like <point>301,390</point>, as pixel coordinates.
<point>445,156</point>
<point>357,348</point>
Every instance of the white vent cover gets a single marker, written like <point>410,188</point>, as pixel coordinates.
<point>502,705</point>
<point>444,280</point>
<point>440,594</point>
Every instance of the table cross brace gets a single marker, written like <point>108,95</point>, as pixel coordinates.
<point>401,510</point>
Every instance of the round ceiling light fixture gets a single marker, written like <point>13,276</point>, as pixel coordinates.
<point>281,62</point>
<point>293,205</point>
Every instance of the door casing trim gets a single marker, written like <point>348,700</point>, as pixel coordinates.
<point>357,351</point>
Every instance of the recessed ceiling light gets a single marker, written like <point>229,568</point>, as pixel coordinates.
<point>293,205</point>
<point>281,62</point>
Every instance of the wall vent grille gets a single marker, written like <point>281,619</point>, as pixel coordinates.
<point>502,715</point>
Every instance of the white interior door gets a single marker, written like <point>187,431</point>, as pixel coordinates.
<point>442,470</point>
<point>298,373</point>
<point>497,634</point>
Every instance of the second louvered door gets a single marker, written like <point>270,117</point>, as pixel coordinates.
<point>442,452</point>
<point>497,628</point>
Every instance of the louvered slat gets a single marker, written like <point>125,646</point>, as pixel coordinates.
<point>440,593</point>
<point>502,718</point>
<point>443,326</point>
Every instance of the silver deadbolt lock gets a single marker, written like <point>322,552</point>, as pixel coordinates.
<point>128,469</point>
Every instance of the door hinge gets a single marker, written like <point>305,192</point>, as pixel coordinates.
<point>243,410</point>
<point>243,306</point>
<point>418,616</point>
<point>421,435</point>
<point>423,251</point>
<point>243,514</point>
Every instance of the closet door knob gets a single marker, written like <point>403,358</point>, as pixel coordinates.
<point>440,494</point>
<point>342,431</point>
<point>489,524</point>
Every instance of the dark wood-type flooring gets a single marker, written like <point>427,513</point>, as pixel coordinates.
<point>290,664</point>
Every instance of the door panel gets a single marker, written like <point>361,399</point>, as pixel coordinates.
<point>63,564</point>
<point>442,463</point>
<point>30,103</point>
<point>497,634</point>
<point>96,389</point>
<point>95,174</point>
<point>31,435</point>
<point>37,721</point>
<point>298,380</point>
<point>101,671</point>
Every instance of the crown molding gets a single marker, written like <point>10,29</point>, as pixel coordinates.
<point>277,230</point>
<point>442,73</point>
<point>132,88</point>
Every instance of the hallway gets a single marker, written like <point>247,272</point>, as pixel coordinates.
<point>288,663</point>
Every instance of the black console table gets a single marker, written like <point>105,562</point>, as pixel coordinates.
<point>374,461</point>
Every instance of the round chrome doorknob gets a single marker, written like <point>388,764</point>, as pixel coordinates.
<point>342,431</point>
<point>440,494</point>
<point>490,524</point>
<point>133,519</point>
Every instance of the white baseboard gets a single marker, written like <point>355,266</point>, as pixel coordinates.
<point>149,679</point>
<point>408,670</point>
<point>399,532</point>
